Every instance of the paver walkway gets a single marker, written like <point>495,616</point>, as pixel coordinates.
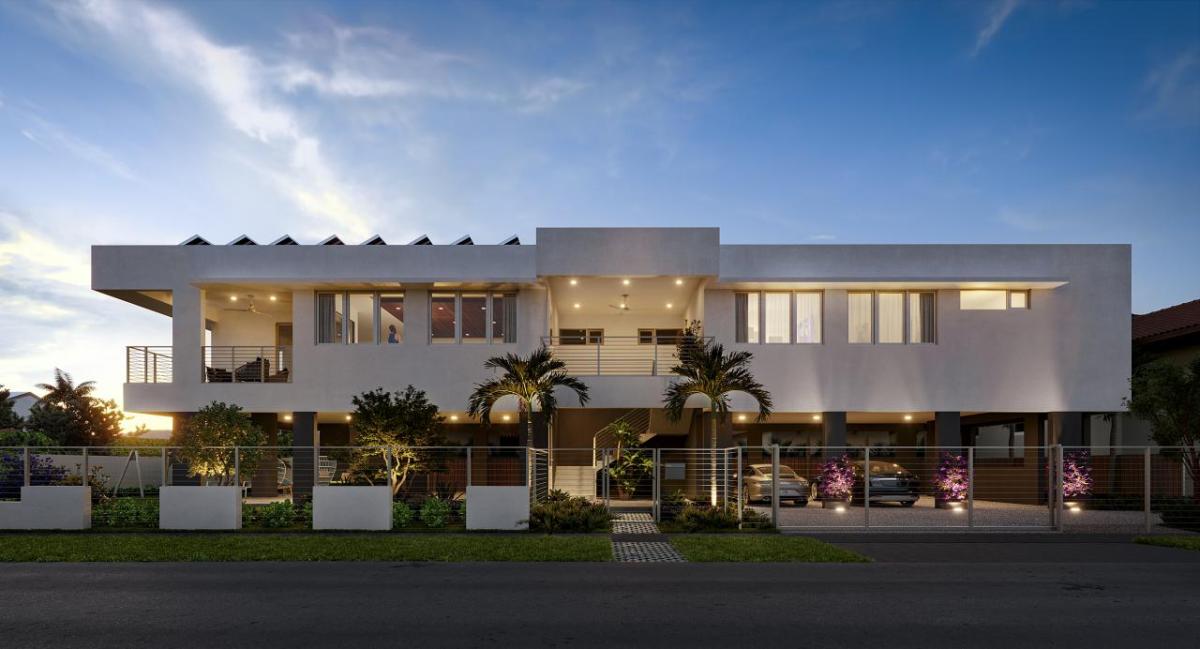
<point>636,539</point>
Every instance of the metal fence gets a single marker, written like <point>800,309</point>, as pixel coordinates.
<point>247,364</point>
<point>1077,489</point>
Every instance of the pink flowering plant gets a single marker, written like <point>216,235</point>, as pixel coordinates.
<point>1077,474</point>
<point>950,485</point>
<point>837,479</point>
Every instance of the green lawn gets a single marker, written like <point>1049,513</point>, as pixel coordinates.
<point>761,548</point>
<point>302,547</point>
<point>1182,542</point>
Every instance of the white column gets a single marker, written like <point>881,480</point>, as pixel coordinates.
<point>187,333</point>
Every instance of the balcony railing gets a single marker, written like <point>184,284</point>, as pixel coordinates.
<point>616,355</point>
<point>148,364</point>
<point>247,364</point>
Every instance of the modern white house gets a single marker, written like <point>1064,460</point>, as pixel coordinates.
<point>868,345</point>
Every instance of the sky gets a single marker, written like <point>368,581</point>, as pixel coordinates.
<point>135,122</point>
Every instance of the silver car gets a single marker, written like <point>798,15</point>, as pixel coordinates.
<point>757,484</point>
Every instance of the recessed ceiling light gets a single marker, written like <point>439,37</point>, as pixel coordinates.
<point>453,417</point>
<point>625,282</point>
<point>907,417</point>
<point>273,298</point>
<point>233,298</point>
<point>679,282</point>
<point>669,305</point>
<point>574,281</point>
<point>348,417</point>
<point>816,417</point>
<point>287,417</point>
<point>577,305</point>
<point>741,417</point>
<point>506,417</point>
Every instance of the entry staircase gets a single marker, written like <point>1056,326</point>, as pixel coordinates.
<point>579,479</point>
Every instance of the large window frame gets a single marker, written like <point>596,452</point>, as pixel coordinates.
<point>906,332</point>
<point>755,303</point>
<point>509,328</point>
<point>341,330</point>
<point>1012,299</point>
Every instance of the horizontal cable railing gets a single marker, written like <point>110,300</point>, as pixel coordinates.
<point>616,355</point>
<point>145,364</point>
<point>247,364</point>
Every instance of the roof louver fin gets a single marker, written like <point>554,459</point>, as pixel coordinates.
<point>375,241</point>
<point>243,241</point>
<point>285,240</point>
<point>196,240</point>
<point>333,240</point>
<point>514,240</point>
<point>464,241</point>
<point>421,241</point>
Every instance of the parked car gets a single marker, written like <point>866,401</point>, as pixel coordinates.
<point>757,484</point>
<point>890,483</point>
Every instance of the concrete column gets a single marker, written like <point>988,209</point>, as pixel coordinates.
<point>304,437</point>
<point>265,481</point>
<point>947,431</point>
<point>833,432</point>
<point>416,317</point>
<point>187,334</point>
<point>1066,428</point>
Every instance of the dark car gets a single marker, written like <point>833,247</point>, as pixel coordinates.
<point>890,483</point>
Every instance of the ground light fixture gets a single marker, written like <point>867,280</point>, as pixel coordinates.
<point>841,509</point>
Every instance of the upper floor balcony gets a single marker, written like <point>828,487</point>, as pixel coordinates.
<point>221,364</point>
<point>648,354</point>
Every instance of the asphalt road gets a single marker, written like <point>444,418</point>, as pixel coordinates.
<point>1134,596</point>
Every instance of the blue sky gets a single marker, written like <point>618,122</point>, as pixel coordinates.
<point>846,122</point>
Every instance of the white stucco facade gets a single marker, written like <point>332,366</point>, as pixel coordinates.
<point>1069,351</point>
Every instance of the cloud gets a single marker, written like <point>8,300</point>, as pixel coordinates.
<point>53,137</point>
<point>545,94</point>
<point>240,86</point>
<point>997,16</point>
<point>1174,88</point>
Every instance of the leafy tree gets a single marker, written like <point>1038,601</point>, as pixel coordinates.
<point>71,416</point>
<point>706,369</point>
<point>531,380</point>
<point>1168,396</point>
<point>8,417</point>
<point>207,438</point>
<point>632,463</point>
<point>399,427</point>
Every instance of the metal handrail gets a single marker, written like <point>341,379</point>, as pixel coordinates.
<point>147,364</point>
<point>618,355</point>
<point>246,364</point>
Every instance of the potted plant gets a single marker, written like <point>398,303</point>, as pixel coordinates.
<point>1077,479</point>
<point>836,482</point>
<point>951,484</point>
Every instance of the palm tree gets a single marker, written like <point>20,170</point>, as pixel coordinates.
<point>709,371</point>
<point>531,380</point>
<point>64,390</point>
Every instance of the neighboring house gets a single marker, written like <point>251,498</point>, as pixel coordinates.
<point>1171,334</point>
<point>23,402</point>
<point>1009,346</point>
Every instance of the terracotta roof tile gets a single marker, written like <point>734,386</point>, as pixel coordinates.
<point>1181,318</point>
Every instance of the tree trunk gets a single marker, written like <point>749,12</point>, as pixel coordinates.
<point>713,456</point>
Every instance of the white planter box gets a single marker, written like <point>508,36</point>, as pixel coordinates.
<point>352,508</point>
<point>49,508</point>
<point>497,508</point>
<point>200,508</point>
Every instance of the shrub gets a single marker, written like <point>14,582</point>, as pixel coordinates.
<point>435,512</point>
<point>277,515</point>
<point>950,485</point>
<point>1077,474</point>
<point>560,512</point>
<point>837,479</point>
<point>42,472</point>
<point>402,515</point>
<point>672,504</point>
<point>126,512</point>
<point>1180,513</point>
<point>706,518</point>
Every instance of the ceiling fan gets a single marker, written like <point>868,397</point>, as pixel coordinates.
<point>623,306</point>
<point>249,307</point>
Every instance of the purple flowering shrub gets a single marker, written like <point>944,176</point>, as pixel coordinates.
<point>950,485</point>
<point>42,472</point>
<point>837,479</point>
<point>1077,474</point>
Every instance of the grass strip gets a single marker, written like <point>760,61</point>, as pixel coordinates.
<point>1181,542</point>
<point>71,547</point>
<point>760,548</point>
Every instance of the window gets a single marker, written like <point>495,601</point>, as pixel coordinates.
<point>1018,299</point>
<point>659,336</point>
<point>993,300</point>
<point>361,322</point>
<point>391,318</point>
<point>581,336</point>
<point>808,317</point>
<point>891,317</point>
<point>442,318</point>
<point>1000,441</point>
<point>920,318</point>
<point>329,315</point>
<point>472,318</point>
<point>859,318</point>
<point>778,317</point>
